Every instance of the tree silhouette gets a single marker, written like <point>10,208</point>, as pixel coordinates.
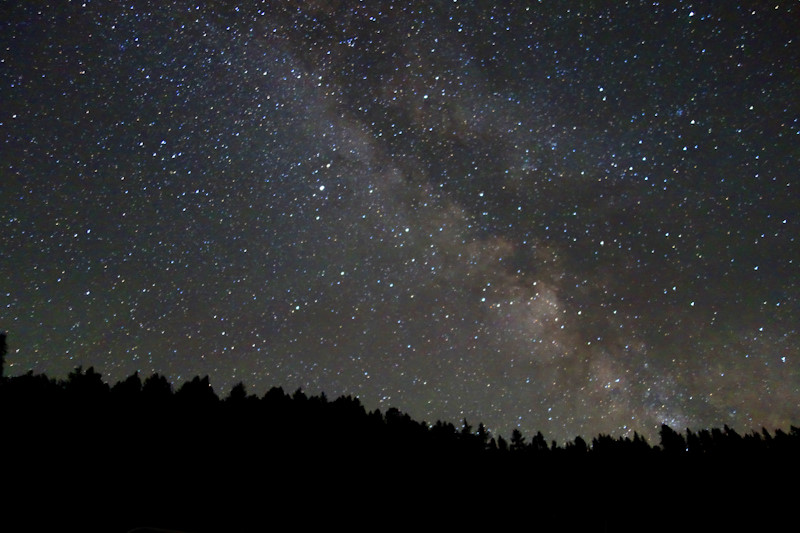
<point>672,442</point>
<point>579,445</point>
<point>197,392</point>
<point>156,389</point>
<point>502,445</point>
<point>3,351</point>
<point>517,440</point>
<point>466,429</point>
<point>693,442</point>
<point>129,388</point>
<point>85,386</point>
<point>539,443</point>
<point>483,435</point>
<point>238,393</point>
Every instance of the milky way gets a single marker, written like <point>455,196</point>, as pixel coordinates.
<point>567,217</point>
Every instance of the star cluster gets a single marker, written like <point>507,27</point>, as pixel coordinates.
<point>567,217</point>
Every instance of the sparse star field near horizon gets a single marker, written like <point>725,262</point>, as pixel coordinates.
<point>573,217</point>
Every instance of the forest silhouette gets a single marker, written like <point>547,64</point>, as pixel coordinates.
<point>80,454</point>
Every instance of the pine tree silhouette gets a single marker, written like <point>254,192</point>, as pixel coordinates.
<point>3,351</point>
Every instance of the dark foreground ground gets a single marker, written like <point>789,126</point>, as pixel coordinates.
<point>197,489</point>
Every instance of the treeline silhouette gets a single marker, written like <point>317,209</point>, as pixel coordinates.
<point>316,424</point>
<point>111,458</point>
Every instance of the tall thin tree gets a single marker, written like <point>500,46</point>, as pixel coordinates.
<point>3,351</point>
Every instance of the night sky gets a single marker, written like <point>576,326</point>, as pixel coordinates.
<point>571,217</point>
